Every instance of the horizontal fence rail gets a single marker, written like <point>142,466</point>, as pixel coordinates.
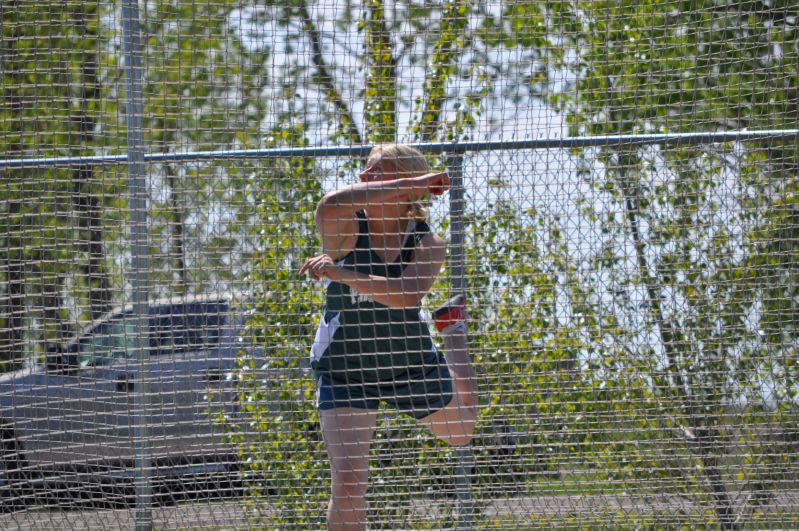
<point>687,139</point>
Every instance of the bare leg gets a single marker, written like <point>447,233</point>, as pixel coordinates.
<point>460,366</point>
<point>348,434</point>
<point>455,423</point>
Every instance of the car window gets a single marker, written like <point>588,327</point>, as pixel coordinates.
<point>109,342</point>
<point>186,328</point>
<point>173,329</point>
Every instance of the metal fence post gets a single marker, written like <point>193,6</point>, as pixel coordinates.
<point>137,197</point>
<point>457,267</point>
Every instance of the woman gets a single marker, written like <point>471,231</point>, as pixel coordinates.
<point>379,261</point>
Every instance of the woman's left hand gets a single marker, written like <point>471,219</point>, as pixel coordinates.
<point>435,183</point>
<point>319,266</point>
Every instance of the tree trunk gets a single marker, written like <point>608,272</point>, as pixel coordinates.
<point>381,84</point>
<point>12,311</point>
<point>86,203</point>
<point>672,341</point>
<point>12,302</point>
<point>177,251</point>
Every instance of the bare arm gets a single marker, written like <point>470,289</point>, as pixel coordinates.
<point>406,291</point>
<point>335,214</point>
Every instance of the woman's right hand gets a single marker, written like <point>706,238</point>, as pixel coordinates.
<point>318,266</point>
<point>435,183</point>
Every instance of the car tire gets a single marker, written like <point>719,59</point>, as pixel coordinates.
<point>14,487</point>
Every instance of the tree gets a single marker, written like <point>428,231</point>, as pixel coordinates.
<point>274,426</point>
<point>386,71</point>
<point>204,90</point>
<point>86,195</point>
<point>50,69</point>
<point>688,237</point>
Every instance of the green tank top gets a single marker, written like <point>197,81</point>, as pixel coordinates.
<point>362,341</point>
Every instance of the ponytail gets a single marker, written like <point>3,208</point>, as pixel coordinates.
<point>418,211</point>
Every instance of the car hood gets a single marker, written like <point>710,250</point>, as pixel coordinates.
<point>19,374</point>
<point>19,381</point>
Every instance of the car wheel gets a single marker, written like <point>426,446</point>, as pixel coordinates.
<point>13,467</point>
<point>10,448</point>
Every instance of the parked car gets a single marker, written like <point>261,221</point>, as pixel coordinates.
<point>76,413</point>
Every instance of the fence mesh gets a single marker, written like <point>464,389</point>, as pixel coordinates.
<point>633,305</point>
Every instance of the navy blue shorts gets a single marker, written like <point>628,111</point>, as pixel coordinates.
<point>419,397</point>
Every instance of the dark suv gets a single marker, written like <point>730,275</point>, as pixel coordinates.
<point>76,412</point>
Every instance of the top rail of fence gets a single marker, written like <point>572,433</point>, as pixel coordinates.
<point>434,147</point>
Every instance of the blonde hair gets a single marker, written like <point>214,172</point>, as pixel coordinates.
<point>408,162</point>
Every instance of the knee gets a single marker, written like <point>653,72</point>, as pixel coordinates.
<point>457,433</point>
<point>469,402</point>
<point>454,424</point>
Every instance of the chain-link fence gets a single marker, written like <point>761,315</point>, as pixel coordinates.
<point>622,217</point>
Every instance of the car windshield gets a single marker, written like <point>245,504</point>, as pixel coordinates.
<point>173,329</point>
<point>109,342</point>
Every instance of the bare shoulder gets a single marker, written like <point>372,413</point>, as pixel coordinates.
<point>434,244</point>
<point>337,245</point>
<point>339,235</point>
<point>432,239</point>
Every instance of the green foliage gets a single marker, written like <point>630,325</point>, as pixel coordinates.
<point>653,66</point>
<point>56,223</point>
<point>703,232</point>
<point>282,448</point>
<point>541,371</point>
<point>380,93</point>
<point>447,49</point>
<point>343,89</point>
<point>60,61</point>
<point>204,90</point>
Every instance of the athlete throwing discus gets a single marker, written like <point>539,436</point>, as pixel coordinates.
<point>379,260</point>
